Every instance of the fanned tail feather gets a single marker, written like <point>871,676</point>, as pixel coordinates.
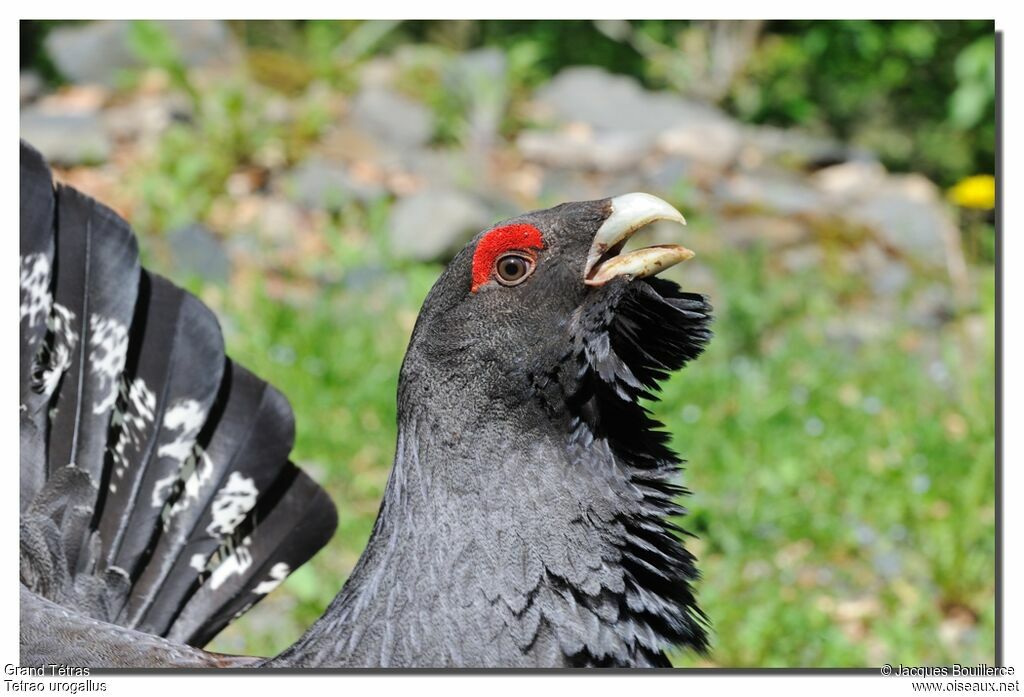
<point>156,489</point>
<point>36,266</point>
<point>267,551</point>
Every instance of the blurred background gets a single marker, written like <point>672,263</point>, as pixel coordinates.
<point>310,179</point>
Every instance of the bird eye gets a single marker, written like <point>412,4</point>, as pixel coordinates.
<point>513,269</point>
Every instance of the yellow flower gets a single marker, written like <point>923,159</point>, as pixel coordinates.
<point>978,191</point>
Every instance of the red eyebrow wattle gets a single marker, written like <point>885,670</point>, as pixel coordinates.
<point>498,241</point>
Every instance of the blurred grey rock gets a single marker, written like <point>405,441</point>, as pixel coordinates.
<point>278,221</point>
<point>932,306</point>
<point>558,185</point>
<point>850,179</point>
<point>773,232</point>
<point>885,275</point>
<point>145,117</point>
<point>667,173</point>
<point>585,94</point>
<point>97,51</point>
<point>908,213</point>
<point>66,139</point>
<point>433,224</point>
<point>343,142</point>
<point>770,192</point>
<point>447,168</point>
<point>802,258</point>
<point>378,72</point>
<point>279,110</point>
<point>791,148</point>
<point>195,251</point>
<point>321,184</point>
<point>617,103</point>
<point>620,105</point>
<point>604,152</point>
<point>891,278</point>
<point>264,222</point>
<point>481,64</point>
<point>30,85</point>
<point>854,329</point>
<point>714,142</point>
<point>392,118</point>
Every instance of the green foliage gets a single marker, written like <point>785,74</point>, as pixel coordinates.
<point>194,160</point>
<point>156,48</point>
<point>228,128</point>
<point>196,173</point>
<point>974,96</point>
<point>920,93</point>
<point>292,54</point>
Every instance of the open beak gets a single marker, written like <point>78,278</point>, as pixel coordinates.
<point>630,212</point>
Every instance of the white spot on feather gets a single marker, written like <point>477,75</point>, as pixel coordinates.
<point>201,467</point>
<point>133,415</point>
<point>54,357</point>
<point>108,347</point>
<point>186,484</point>
<point>185,418</point>
<point>231,504</point>
<point>278,574</point>
<point>237,562</point>
<point>35,288</point>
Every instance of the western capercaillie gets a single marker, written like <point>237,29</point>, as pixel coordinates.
<point>528,516</point>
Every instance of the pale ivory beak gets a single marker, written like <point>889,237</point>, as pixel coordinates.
<point>630,212</point>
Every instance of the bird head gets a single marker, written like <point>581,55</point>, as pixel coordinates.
<point>548,310</point>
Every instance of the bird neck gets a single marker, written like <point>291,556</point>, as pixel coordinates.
<point>502,541</point>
